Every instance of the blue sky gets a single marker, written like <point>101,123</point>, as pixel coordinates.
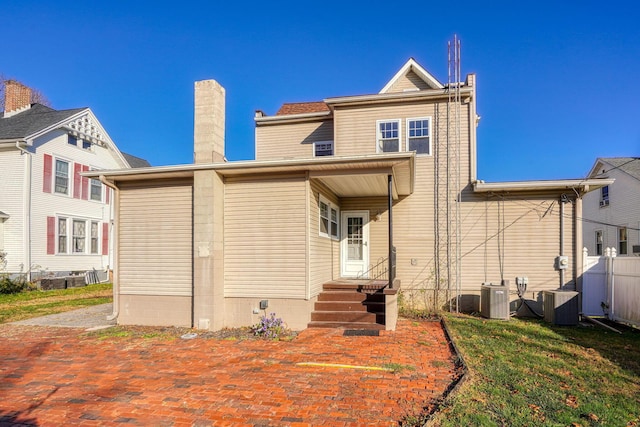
<point>557,81</point>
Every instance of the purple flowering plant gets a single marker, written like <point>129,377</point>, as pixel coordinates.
<point>268,327</point>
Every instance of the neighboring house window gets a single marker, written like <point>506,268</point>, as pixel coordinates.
<point>62,177</point>
<point>622,241</point>
<point>94,237</point>
<point>388,136</point>
<point>96,190</point>
<point>72,140</point>
<point>321,149</point>
<point>79,233</point>
<point>604,196</point>
<point>328,219</point>
<point>418,135</point>
<point>62,235</point>
<point>599,242</point>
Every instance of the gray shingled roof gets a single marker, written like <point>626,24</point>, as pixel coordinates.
<point>630,165</point>
<point>136,162</point>
<point>34,119</point>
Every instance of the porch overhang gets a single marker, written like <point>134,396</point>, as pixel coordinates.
<point>580,186</point>
<point>347,176</point>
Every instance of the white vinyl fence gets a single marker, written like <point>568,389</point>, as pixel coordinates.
<point>611,287</point>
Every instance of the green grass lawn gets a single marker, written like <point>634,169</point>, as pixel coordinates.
<point>530,373</point>
<point>40,303</point>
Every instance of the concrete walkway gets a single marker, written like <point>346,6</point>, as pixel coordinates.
<point>63,376</point>
<point>86,318</point>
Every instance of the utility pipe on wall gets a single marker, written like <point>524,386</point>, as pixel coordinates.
<point>561,239</point>
<point>20,145</point>
<point>116,282</point>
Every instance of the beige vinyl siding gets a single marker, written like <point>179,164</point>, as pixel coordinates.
<point>355,129</point>
<point>155,240</point>
<point>292,140</point>
<point>378,229</point>
<point>413,225</point>
<point>520,232</point>
<point>265,237</point>
<point>324,252</point>
<point>409,82</point>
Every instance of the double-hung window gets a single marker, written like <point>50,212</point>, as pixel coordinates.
<point>79,236</point>
<point>328,219</point>
<point>622,241</point>
<point>324,148</point>
<point>604,196</point>
<point>599,240</point>
<point>62,235</point>
<point>388,136</point>
<point>62,177</point>
<point>418,135</point>
<point>96,190</point>
<point>94,237</point>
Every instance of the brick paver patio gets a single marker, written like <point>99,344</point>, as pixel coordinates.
<point>62,376</point>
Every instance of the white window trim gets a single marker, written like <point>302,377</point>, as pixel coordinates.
<point>330,206</point>
<point>601,235</point>
<point>626,241</point>
<point>69,192</point>
<point>66,236</point>
<point>69,219</point>
<point>429,119</point>
<point>102,190</point>
<point>605,201</point>
<point>333,148</point>
<point>379,136</point>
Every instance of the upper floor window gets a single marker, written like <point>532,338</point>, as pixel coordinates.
<point>599,242</point>
<point>622,241</point>
<point>72,140</point>
<point>604,196</point>
<point>388,136</point>
<point>418,135</point>
<point>324,148</point>
<point>96,190</point>
<point>62,177</point>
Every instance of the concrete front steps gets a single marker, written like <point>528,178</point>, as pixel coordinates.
<point>350,304</point>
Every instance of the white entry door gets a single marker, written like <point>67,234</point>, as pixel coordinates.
<point>354,243</point>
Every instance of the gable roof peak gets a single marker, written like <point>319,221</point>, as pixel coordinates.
<point>412,66</point>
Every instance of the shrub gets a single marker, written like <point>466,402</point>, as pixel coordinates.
<point>269,327</point>
<point>10,285</point>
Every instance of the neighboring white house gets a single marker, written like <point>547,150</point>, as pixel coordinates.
<point>611,215</point>
<point>53,220</point>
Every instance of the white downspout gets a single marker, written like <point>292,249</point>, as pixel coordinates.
<point>116,281</point>
<point>26,217</point>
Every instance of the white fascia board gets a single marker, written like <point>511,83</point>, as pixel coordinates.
<point>411,64</point>
<point>249,165</point>
<point>383,97</point>
<point>554,185</point>
<point>293,117</point>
